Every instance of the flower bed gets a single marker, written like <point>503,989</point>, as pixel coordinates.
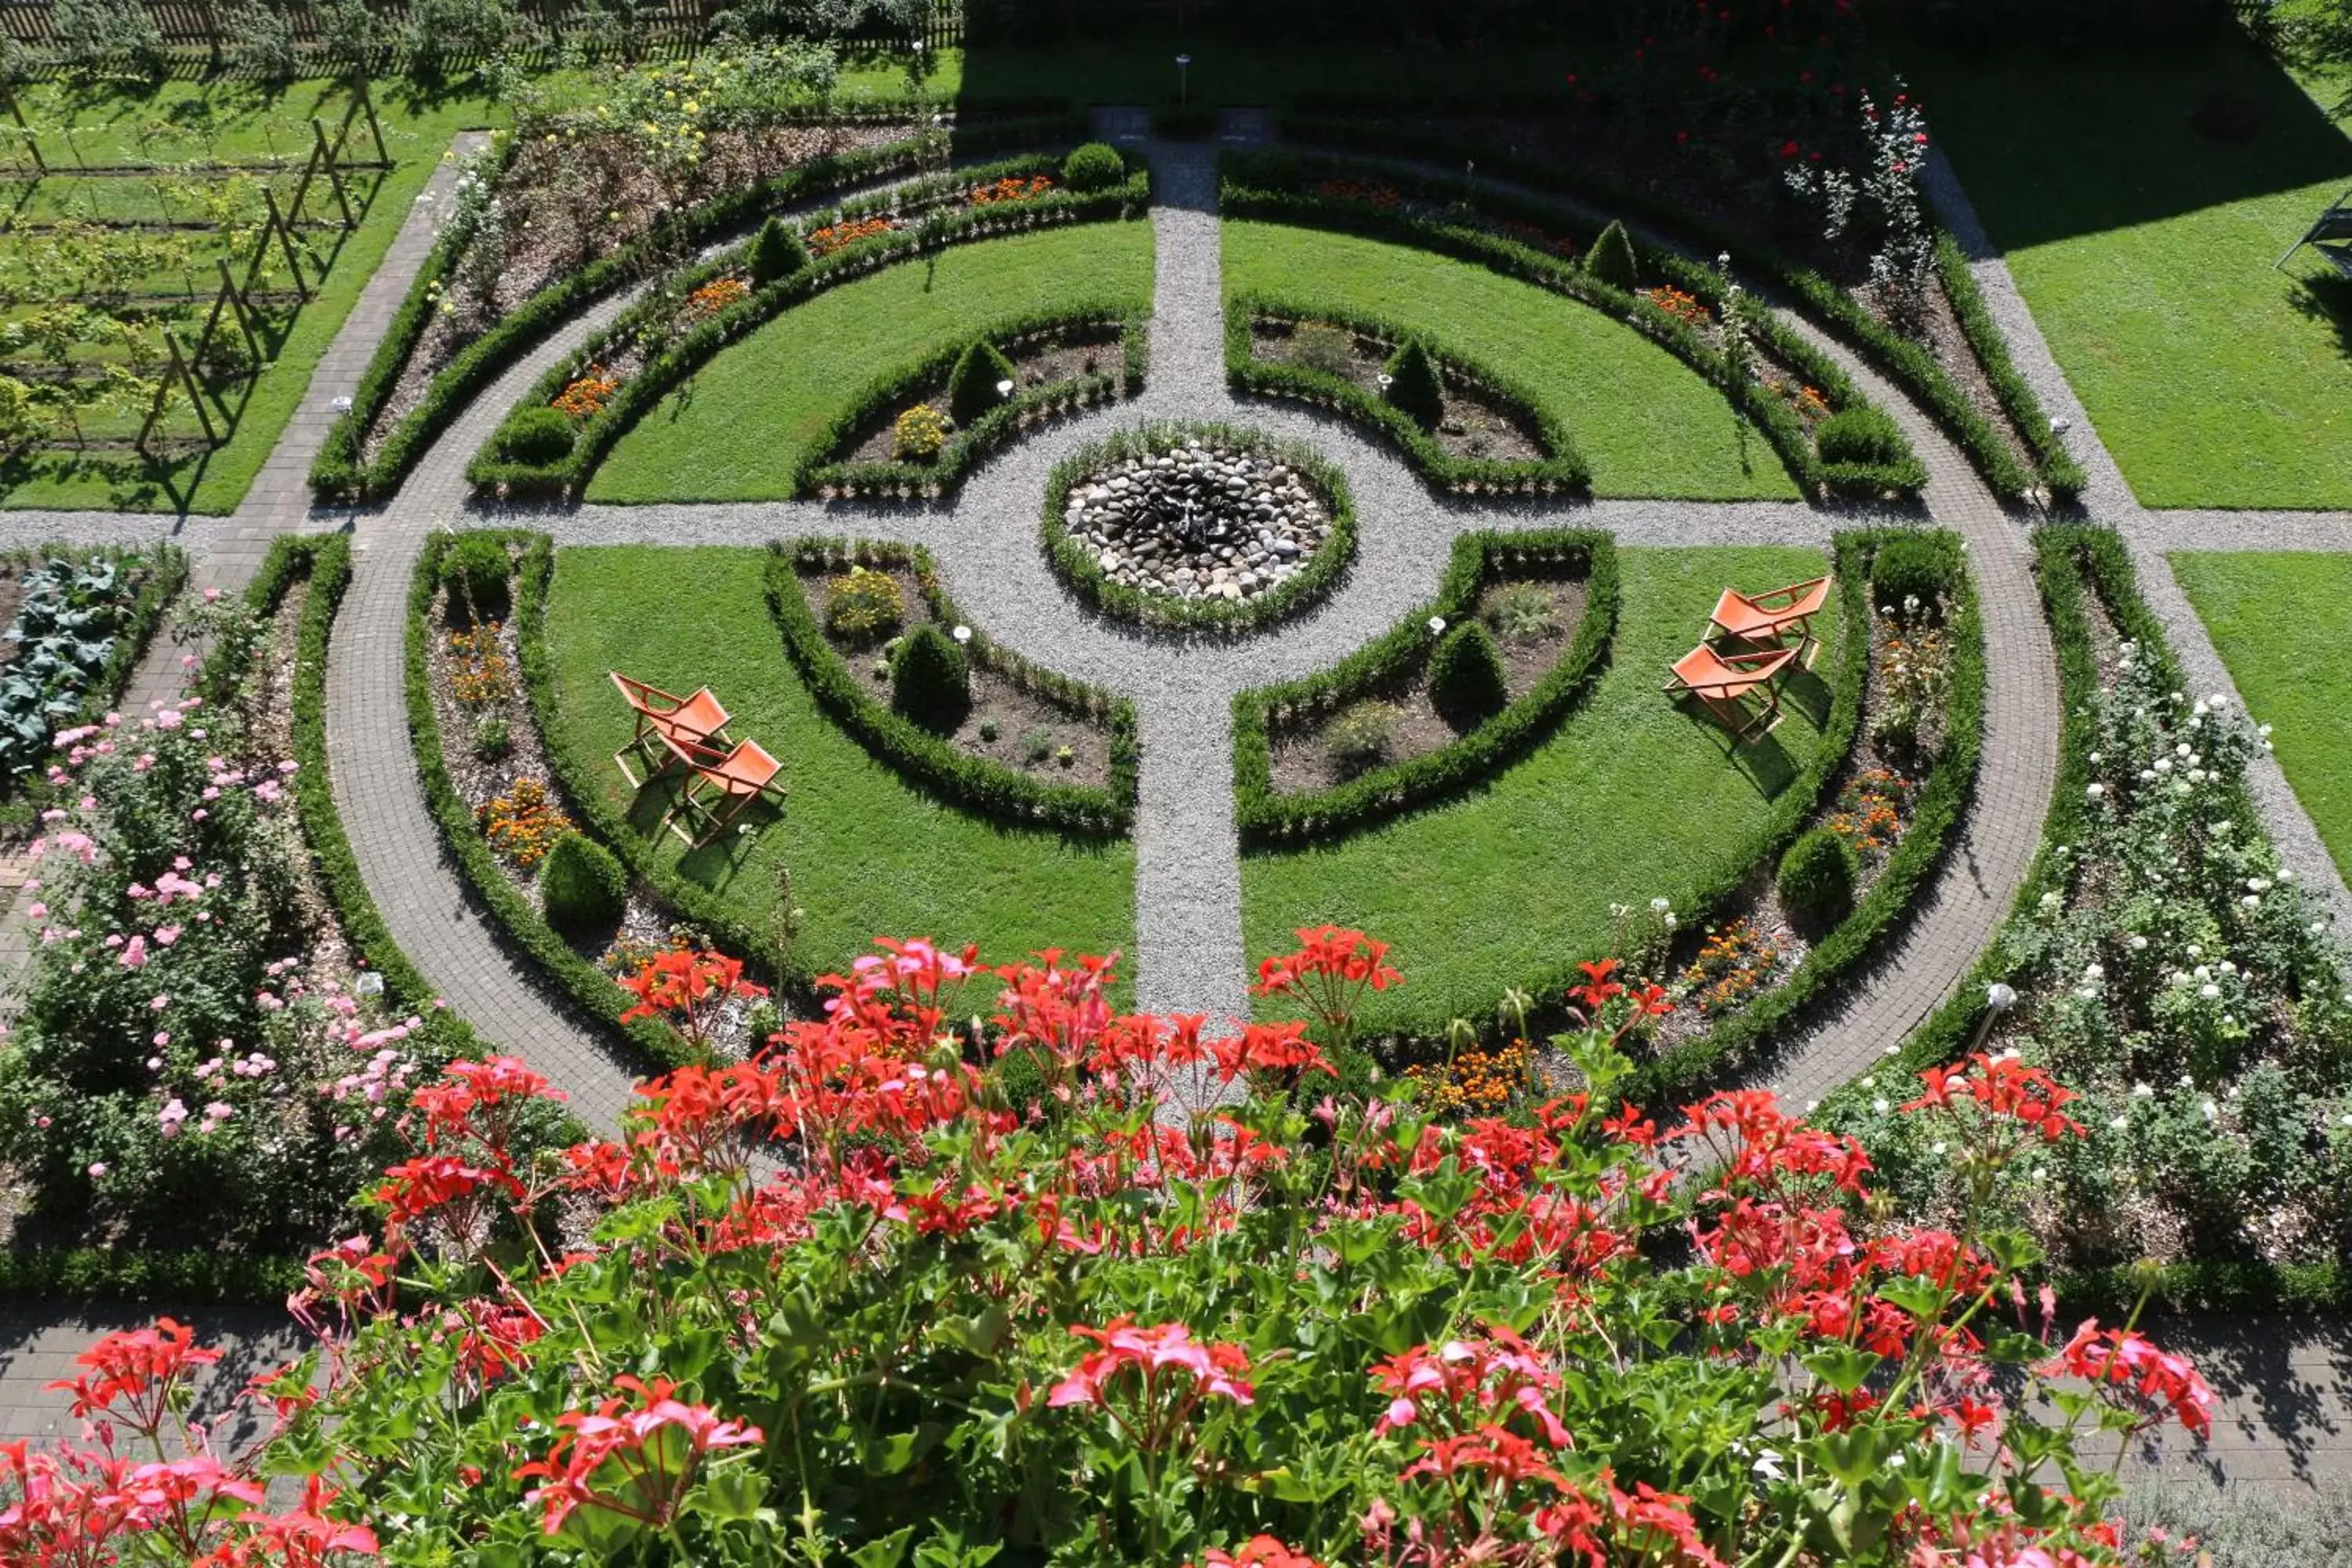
<point>204,1045</point>
<point>1267,817</point>
<point>1910,364</point>
<point>841,465</point>
<point>2161,955</point>
<point>1372,1340</point>
<point>79,621</point>
<point>974,768</point>
<point>359,460</point>
<point>1076,562</point>
<point>1254,364</point>
<point>669,349</point>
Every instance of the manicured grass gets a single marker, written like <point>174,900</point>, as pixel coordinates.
<point>246,127</point>
<point>1646,422</point>
<point>2279,622</point>
<point>735,430</point>
<point>868,856</point>
<point>1632,798</point>
<point>2146,252</point>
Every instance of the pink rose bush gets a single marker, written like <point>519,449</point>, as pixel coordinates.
<point>1177,1301</point>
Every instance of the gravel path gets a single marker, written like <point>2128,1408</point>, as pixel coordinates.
<point>2108,497</point>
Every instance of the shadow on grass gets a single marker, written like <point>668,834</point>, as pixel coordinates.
<point>716,862</point>
<point>2326,298</point>
<point>1763,761</point>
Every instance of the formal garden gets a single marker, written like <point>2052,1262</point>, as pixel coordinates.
<point>903,782</point>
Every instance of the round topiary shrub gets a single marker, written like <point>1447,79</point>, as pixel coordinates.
<point>776,252</point>
<point>538,436</point>
<point>475,571</point>
<point>581,886</point>
<point>1862,435</point>
<point>1921,567</point>
<point>973,386</point>
<point>1816,879</point>
<point>931,680</point>
<point>1094,166</point>
<point>1610,259</point>
<point>1414,388</point>
<point>1465,677</point>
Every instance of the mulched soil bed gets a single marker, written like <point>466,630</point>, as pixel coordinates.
<point>582,199</point>
<point>1478,422</point>
<point>1044,361</point>
<point>1029,727</point>
<point>1302,755</point>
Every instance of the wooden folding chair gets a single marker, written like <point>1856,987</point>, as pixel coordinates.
<point>1723,681</point>
<point>662,721</point>
<point>720,785</point>
<point>1769,617</point>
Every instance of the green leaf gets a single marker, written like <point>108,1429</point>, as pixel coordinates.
<point>1844,1367</point>
<point>886,1552</point>
<point>734,1492</point>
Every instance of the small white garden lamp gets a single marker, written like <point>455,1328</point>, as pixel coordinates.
<point>1998,999</point>
<point>962,633</point>
<point>1387,381</point>
<point>1437,626</point>
<point>1183,79</point>
<point>1003,389</point>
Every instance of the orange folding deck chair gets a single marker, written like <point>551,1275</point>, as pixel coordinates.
<point>1769,617</point>
<point>663,719</point>
<point>722,786</point>
<point>1723,681</point>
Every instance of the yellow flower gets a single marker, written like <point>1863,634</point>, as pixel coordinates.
<point>692,106</point>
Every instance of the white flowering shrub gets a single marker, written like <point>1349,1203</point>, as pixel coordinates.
<point>2180,980</point>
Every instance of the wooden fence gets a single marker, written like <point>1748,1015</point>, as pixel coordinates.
<point>660,25</point>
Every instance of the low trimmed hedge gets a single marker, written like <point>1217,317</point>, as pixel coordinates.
<point>1564,469</point>
<point>1078,571</point>
<point>590,994</point>
<point>2060,472</point>
<point>1277,202</point>
<point>164,1279</point>
<point>691,350</point>
<point>1938,805</point>
<point>1907,362</point>
<point>929,761</point>
<point>338,473</point>
<point>2114,1294</point>
<point>1266,817</point>
<point>965,450</point>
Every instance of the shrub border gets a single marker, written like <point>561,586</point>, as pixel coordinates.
<point>992,430</point>
<point>1787,433</point>
<point>1936,810</point>
<point>1070,563</point>
<point>1565,469</point>
<point>1907,362</point>
<point>974,784</point>
<point>338,472</point>
<point>1267,819</point>
<point>592,997</point>
<point>2060,472</point>
<point>640,392</point>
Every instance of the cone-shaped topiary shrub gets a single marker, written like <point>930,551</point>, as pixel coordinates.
<point>971,386</point>
<point>582,886</point>
<point>1817,879</point>
<point>776,252</point>
<point>1094,166</point>
<point>475,571</point>
<point>1413,385</point>
<point>931,681</point>
<point>1610,259</point>
<point>1465,677</point>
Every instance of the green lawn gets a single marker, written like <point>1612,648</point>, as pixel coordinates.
<point>2146,251</point>
<point>737,429</point>
<point>2279,622</point>
<point>231,122</point>
<point>1634,797</point>
<point>1646,422</point>
<point>869,854</point>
